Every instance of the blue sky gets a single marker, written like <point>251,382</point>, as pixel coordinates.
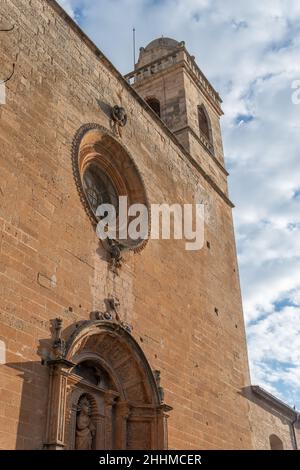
<point>250,51</point>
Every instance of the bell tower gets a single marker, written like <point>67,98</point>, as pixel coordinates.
<point>170,81</point>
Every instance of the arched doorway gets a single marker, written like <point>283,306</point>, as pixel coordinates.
<point>103,393</point>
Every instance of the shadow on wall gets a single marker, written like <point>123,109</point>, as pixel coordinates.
<point>119,385</point>
<point>30,380</point>
<point>275,443</point>
<point>31,418</point>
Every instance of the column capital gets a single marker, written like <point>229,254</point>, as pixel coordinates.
<point>110,397</point>
<point>123,409</point>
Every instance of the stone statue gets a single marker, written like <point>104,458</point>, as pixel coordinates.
<point>85,429</point>
<point>59,345</point>
<point>161,392</point>
<point>119,118</point>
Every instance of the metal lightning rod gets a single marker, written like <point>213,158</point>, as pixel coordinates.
<point>134,48</point>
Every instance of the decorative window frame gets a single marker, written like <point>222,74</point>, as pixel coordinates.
<point>94,142</point>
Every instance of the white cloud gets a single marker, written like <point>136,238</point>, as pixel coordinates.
<point>275,351</point>
<point>250,52</point>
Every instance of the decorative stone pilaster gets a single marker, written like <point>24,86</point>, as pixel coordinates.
<point>99,422</point>
<point>109,398</point>
<point>162,427</point>
<point>55,434</point>
<point>122,415</point>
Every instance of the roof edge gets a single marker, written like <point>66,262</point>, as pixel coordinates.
<point>276,402</point>
<point>119,76</point>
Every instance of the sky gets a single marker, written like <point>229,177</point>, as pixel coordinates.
<point>250,51</point>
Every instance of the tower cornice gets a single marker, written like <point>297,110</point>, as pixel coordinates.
<point>178,57</point>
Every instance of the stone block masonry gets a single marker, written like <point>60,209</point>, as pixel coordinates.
<point>51,262</point>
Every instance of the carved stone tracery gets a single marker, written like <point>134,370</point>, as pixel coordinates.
<point>94,144</point>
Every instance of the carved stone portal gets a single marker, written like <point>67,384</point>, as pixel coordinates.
<point>103,394</point>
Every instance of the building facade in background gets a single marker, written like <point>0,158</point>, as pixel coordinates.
<point>116,345</point>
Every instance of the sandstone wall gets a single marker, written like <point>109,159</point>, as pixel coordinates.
<point>266,422</point>
<point>185,307</point>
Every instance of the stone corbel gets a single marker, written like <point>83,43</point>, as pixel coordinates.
<point>119,119</point>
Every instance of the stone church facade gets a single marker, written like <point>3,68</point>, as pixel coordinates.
<point>106,347</point>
